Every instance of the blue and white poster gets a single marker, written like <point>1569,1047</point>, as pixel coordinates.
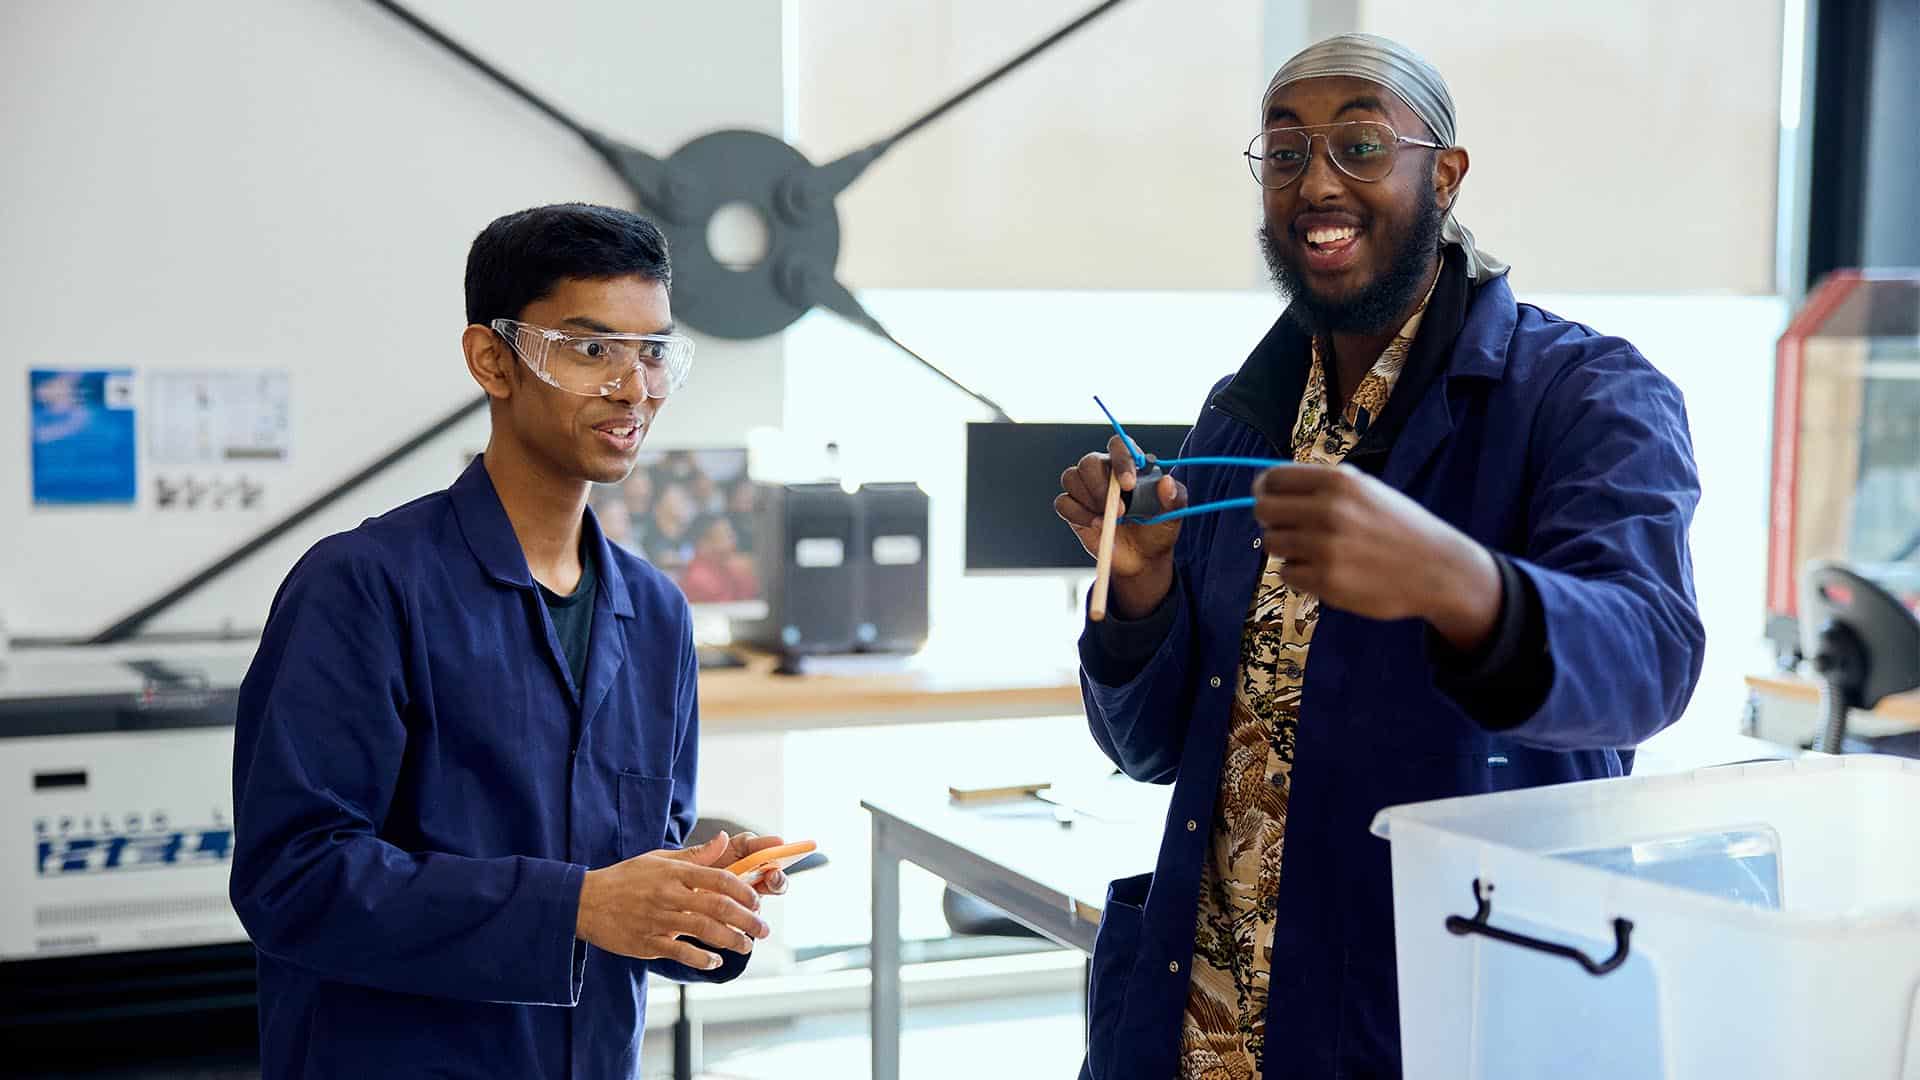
<point>83,438</point>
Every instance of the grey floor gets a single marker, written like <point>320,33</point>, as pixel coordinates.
<point>1035,1036</point>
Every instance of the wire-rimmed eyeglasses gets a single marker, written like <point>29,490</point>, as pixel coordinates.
<point>1362,149</point>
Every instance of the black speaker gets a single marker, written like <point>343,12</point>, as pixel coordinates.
<point>891,567</point>
<point>842,572</point>
<point>807,541</point>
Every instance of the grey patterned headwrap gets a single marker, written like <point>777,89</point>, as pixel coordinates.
<point>1412,80</point>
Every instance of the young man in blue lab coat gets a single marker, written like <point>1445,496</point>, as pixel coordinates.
<point>1483,539</point>
<point>464,763</point>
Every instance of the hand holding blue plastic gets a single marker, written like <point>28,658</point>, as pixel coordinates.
<point>1142,460</point>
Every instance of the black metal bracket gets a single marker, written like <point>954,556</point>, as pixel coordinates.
<point>793,196</point>
<point>1461,926</point>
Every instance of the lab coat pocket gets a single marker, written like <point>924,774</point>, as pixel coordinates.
<point>1115,948</point>
<point>644,803</point>
<point>1369,1033</point>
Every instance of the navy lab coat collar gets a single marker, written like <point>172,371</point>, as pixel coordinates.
<point>1265,393</point>
<point>490,536</point>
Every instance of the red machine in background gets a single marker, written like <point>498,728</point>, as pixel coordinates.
<point>1846,447</point>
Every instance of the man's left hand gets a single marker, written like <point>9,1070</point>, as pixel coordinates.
<point>739,847</point>
<point>1362,546</point>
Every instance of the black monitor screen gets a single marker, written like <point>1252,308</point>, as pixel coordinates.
<point>1013,475</point>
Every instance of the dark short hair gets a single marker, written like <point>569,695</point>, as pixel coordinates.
<point>519,258</point>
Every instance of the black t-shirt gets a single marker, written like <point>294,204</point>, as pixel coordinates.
<point>573,619</point>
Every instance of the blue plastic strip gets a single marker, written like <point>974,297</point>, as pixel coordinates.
<point>1240,462</point>
<point>1190,511</point>
<point>1139,459</point>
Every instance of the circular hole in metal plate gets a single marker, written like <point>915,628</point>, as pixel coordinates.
<point>737,236</point>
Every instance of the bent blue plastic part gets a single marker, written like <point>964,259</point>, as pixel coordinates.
<point>1133,448</point>
<point>1189,511</point>
<point>1145,500</point>
<point>1230,462</point>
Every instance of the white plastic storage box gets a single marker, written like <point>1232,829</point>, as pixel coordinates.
<point>1749,921</point>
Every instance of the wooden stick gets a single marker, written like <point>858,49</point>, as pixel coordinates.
<point>1103,564</point>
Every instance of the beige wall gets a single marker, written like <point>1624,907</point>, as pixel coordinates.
<point>1622,147</point>
<point>1617,148</point>
<point>1110,162</point>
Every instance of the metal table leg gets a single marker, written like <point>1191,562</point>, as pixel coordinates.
<point>682,1040</point>
<point>885,1015</point>
<point>686,1041</point>
<point>1086,1002</point>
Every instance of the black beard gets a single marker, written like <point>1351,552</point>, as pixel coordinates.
<point>1379,302</point>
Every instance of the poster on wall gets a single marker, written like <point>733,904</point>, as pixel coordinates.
<point>217,417</point>
<point>83,437</point>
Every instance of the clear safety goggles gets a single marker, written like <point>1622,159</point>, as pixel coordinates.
<point>595,365</point>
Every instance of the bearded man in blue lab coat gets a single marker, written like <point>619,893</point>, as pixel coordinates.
<point>1483,538</point>
<point>464,764</point>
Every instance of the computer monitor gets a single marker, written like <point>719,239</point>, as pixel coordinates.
<point>691,513</point>
<point>1013,475</point>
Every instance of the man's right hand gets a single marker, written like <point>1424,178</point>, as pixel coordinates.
<point>644,906</point>
<point>1142,554</point>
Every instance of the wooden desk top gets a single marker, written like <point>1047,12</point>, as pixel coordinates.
<point>852,691</point>
<point>1903,709</point>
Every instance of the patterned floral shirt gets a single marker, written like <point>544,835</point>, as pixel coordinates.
<point>1223,1034</point>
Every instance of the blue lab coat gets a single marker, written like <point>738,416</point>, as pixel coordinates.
<point>419,789</point>
<point>1557,446</point>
